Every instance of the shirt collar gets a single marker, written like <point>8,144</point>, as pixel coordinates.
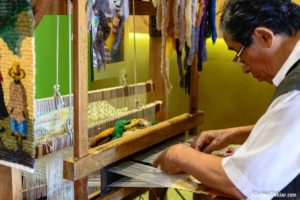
<point>292,59</point>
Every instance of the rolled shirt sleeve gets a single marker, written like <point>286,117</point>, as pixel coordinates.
<point>270,158</point>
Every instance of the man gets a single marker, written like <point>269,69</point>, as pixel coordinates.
<point>266,36</point>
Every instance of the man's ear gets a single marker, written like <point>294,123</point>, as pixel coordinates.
<point>263,36</point>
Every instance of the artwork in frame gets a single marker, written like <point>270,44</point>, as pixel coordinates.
<point>107,19</point>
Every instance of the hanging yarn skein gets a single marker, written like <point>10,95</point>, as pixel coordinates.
<point>59,103</point>
<point>188,34</point>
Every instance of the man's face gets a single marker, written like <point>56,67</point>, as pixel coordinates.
<point>254,59</point>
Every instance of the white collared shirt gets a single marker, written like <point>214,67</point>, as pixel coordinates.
<point>292,59</point>
<point>270,157</point>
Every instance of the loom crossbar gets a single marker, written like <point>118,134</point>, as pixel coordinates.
<point>127,115</point>
<point>66,140</point>
<point>98,95</point>
<point>113,151</point>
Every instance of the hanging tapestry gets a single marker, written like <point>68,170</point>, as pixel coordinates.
<point>106,21</point>
<point>17,89</point>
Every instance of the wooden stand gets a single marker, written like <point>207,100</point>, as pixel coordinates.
<point>11,184</point>
<point>80,92</point>
<point>87,161</point>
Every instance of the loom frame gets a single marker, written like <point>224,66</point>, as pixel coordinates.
<point>86,161</point>
<point>10,181</point>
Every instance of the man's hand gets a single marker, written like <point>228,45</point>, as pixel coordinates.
<point>213,140</point>
<point>204,167</point>
<point>168,160</point>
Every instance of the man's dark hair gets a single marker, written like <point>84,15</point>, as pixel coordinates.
<point>241,17</point>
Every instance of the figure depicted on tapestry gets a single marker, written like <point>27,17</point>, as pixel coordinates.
<point>17,105</point>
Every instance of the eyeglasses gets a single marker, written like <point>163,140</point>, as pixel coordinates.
<point>237,58</point>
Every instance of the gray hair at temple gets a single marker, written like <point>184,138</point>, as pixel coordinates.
<point>240,18</point>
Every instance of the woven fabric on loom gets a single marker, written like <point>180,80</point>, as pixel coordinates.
<point>17,84</point>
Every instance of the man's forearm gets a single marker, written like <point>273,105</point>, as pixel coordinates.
<point>206,168</point>
<point>240,134</point>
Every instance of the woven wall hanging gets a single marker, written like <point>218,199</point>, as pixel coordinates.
<point>17,90</point>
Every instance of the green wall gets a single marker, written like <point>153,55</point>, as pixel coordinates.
<point>45,48</point>
<point>226,95</point>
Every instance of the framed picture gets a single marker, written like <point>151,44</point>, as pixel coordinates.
<point>106,35</point>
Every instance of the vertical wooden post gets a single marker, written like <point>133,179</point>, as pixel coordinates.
<point>194,96</point>
<point>80,90</point>
<point>155,72</point>
<point>11,185</point>
<point>160,89</point>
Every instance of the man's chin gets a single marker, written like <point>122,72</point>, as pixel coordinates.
<point>258,78</point>
<point>263,80</point>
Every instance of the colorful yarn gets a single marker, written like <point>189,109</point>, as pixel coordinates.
<point>188,22</point>
<point>119,128</point>
<point>187,68</point>
<point>176,18</point>
<point>126,124</point>
<point>179,64</point>
<point>214,34</point>
<point>181,26</point>
<point>202,38</point>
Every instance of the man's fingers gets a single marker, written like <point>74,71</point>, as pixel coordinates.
<point>156,162</point>
<point>201,144</point>
<point>193,144</point>
<point>210,148</point>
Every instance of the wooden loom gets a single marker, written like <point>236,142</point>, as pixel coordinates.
<point>86,161</point>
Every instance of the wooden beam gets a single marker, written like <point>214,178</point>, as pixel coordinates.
<point>65,140</point>
<point>121,91</point>
<point>59,7</point>
<point>155,76</point>
<point>157,193</point>
<point>115,150</point>
<point>61,141</point>
<point>142,8</point>
<point>194,97</point>
<point>80,79</point>
<point>99,95</point>
<point>11,184</point>
<point>48,7</point>
<point>80,91</point>
<point>105,124</point>
<point>120,193</point>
